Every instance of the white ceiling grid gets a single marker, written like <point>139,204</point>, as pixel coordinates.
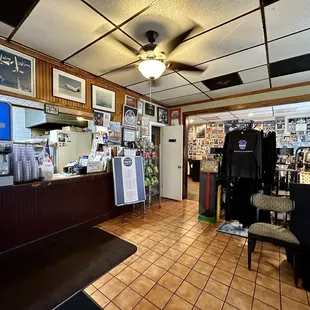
<point>230,39</point>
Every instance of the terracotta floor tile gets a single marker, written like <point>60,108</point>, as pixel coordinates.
<point>243,285</point>
<point>197,279</point>
<point>258,305</point>
<point>290,304</point>
<point>192,235</point>
<point>287,277</point>
<point>140,265</point>
<point>204,239</point>
<point>146,233</point>
<point>173,254</point>
<point>228,307</point>
<point>294,293</point>
<point>90,290</point>
<point>270,261</point>
<point>154,273</point>
<point>219,244</point>
<point>177,303</point>
<point>112,288</point>
<point>168,241</point>
<point>232,257</point>
<point>188,292</point>
<point>269,271</point>
<point>128,275</point>
<point>102,280</point>
<point>214,250</point>
<point>175,236</point>
<point>239,300</point>
<point>233,249</point>
<point>160,248</point>
<point>127,299</point>
<point>100,299</point>
<point>222,276</point>
<point>272,254</point>
<point>193,252</point>
<point>245,273</point>
<point>157,237</point>
<point>267,296</point>
<point>130,259</point>
<point>179,270</point>
<point>199,245</point>
<point>116,270</point>
<point>187,260</point>
<point>111,306</point>
<point>268,282</point>
<point>138,239</point>
<point>151,256</point>
<point>203,268</point>
<point>145,305</point>
<point>216,289</point>
<point>148,243</point>
<point>243,261</point>
<point>208,302</point>
<point>158,296</point>
<point>209,258</point>
<point>187,240</point>
<point>141,250</point>
<point>164,262</point>
<point>170,282</point>
<point>226,265</point>
<point>142,285</point>
<point>179,246</point>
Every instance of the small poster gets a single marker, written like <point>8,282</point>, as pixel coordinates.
<point>145,127</point>
<point>201,132</point>
<point>302,138</point>
<point>286,138</point>
<point>291,126</point>
<point>131,101</point>
<point>98,118</point>
<point>301,124</point>
<point>115,133</point>
<point>140,107</point>
<point>129,116</point>
<point>106,119</point>
<point>64,139</point>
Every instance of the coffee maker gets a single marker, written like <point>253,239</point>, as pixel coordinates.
<point>6,144</point>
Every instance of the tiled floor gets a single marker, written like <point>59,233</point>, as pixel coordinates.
<point>182,263</point>
<point>193,190</point>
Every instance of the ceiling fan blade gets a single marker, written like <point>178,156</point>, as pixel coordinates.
<point>128,47</point>
<point>184,67</point>
<point>174,43</point>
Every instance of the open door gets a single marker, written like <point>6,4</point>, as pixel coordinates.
<point>172,161</point>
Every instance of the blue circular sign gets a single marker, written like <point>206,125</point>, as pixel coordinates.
<point>127,162</point>
<point>242,145</point>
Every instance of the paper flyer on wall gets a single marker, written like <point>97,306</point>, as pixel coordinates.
<point>129,180</point>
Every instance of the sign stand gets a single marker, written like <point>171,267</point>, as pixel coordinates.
<point>128,176</point>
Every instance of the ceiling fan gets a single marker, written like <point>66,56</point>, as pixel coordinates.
<point>152,61</point>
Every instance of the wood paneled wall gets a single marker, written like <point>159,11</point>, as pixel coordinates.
<point>44,84</point>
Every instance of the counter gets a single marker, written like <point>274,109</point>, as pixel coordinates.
<point>32,211</point>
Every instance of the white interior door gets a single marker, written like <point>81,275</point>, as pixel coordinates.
<point>172,161</point>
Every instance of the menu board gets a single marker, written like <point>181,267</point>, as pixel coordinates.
<point>128,174</point>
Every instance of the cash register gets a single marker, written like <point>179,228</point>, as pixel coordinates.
<point>6,144</point>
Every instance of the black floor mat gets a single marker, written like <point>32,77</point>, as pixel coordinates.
<point>42,279</point>
<point>79,301</point>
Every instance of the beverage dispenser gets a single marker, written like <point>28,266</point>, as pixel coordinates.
<point>6,144</point>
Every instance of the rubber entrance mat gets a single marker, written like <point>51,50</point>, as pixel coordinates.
<point>40,279</point>
<point>233,228</point>
<point>79,301</point>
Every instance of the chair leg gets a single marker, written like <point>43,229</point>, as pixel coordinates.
<point>250,247</point>
<point>296,266</point>
<point>254,245</point>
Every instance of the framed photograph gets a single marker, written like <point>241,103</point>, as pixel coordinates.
<point>175,117</point>
<point>98,118</point>
<point>68,86</point>
<point>103,99</point>
<point>140,107</point>
<point>149,109</point>
<point>162,116</point>
<point>130,116</point>
<point>129,135</point>
<point>17,72</point>
<point>131,101</point>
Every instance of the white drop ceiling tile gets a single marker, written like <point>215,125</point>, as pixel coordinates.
<point>170,18</point>
<point>59,28</point>
<point>292,46</point>
<point>291,79</point>
<point>186,99</point>
<point>255,74</point>
<point>162,83</point>
<point>5,30</point>
<point>105,55</point>
<point>240,61</point>
<point>125,77</point>
<point>291,105</point>
<point>202,87</point>
<point>287,16</point>
<point>239,89</point>
<point>175,92</point>
<point>117,10</point>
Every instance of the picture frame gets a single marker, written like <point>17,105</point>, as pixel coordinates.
<point>68,86</point>
<point>17,72</point>
<point>129,134</point>
<point>162,116</point>
<point>175,117</point>
<point>130,101</point>
<point>149,109</point>
<point>130,116</point>
<point>103,99</point>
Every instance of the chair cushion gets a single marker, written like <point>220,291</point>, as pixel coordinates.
<point>273,232</point>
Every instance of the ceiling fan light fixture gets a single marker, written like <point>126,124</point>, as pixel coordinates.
<point>152,68</point>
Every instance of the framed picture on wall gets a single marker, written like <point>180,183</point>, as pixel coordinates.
<point>131,101</point>
<point>130,116</point>
<point>162,115</point>
<point>129,134</point>
<point>17,72</point>
<point>103,99</point>
<point>68,86</point>
<point>149,109</point>
<point>175,117</point>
